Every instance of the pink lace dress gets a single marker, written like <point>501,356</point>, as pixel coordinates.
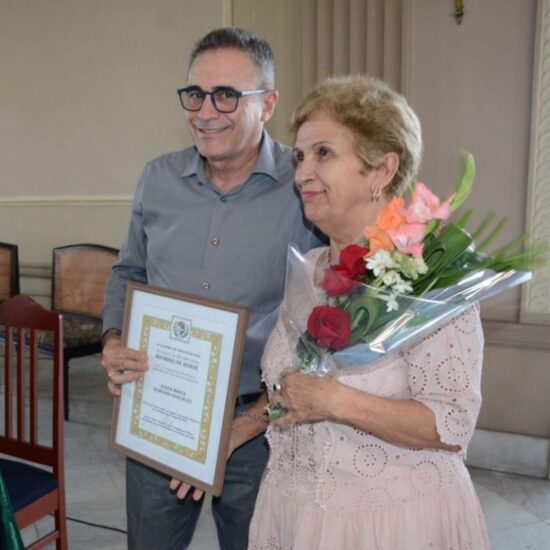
<point>329,486</point>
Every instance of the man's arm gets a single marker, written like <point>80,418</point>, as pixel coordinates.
<point>121,364</point>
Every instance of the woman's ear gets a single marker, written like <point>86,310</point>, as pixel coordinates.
<point>386,170</point>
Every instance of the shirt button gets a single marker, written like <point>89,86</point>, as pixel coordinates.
<point>205,285</point>
<point>223,199</point>
<point>215,241</point>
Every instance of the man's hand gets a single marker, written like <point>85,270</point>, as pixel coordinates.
<point>121,364</point>
<point>181,489</point>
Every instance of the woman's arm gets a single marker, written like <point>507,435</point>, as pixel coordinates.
<point>246,426</point>
<point>401,422</point>
<point>444,378</point>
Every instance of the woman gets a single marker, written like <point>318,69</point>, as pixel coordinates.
<point>371,458</point>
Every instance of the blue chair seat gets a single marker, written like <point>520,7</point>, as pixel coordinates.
<point>25,483</point>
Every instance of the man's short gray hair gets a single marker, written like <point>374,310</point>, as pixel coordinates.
<point>237,38</point>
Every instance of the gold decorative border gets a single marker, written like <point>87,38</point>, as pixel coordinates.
<point>215,340</point>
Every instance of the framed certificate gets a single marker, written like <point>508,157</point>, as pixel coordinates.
<point>177,418</point>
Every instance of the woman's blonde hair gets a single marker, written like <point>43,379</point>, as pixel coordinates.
<point>380,119</point>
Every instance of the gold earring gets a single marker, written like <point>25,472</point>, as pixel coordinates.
<point>376,194</point>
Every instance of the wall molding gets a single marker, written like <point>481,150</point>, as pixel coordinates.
<point>66,200</point>
<point>535,294</point>
<point>31,270</point>
<point>407,49</point>
<point>521,335</point>
<point>227,13</point>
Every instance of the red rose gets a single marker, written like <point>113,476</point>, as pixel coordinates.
<point>352,259</point>
<point>337,282</point>
<point>330,326</point>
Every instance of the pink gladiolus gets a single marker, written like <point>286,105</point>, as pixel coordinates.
<point>408,238</point>
<point>426,206</point>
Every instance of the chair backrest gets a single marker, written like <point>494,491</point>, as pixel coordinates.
<point>32,414</point>
<point>23,320</point>
<point>9,271</point>
<point>79,276</point>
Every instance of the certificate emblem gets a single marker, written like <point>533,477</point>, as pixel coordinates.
<point>180,329</point>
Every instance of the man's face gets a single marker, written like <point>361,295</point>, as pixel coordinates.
<point>228,136</point>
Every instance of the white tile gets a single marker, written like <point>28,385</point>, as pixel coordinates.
<point>85,537</point>
<point>30,534</point>
<point>531,494</point>
<point>535,536</point>
<point>205,537</point>
<point>110,512</point>
<point>89,482</point>
<point>501,514</point>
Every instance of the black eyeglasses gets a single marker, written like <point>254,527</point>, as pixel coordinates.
<point>225,100</point>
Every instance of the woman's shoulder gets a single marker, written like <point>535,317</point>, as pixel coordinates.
<point>315,253</point>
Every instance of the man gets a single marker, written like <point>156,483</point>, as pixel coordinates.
<point>213,220</point>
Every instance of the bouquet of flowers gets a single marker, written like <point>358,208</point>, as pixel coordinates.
<point>411,275</point>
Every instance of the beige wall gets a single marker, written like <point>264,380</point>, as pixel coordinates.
<point>471,85</point>
<point>87,96</point>
<point>314,39</point>
<point>515,388</point>
<point>89,90</point>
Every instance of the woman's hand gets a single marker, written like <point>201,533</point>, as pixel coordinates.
<point>307,398</point>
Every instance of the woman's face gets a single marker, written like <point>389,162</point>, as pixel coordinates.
<point>333,181</point>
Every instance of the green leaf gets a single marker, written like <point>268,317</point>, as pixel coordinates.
<point>363,312</point>
<point>492,235</point>
<point>465,218</point>
<point>439,254</point>
<point>482,227</point>
<point>464,187</point>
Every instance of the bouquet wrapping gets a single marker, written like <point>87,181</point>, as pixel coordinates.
<point>412,274</point>
<point>328,339</point>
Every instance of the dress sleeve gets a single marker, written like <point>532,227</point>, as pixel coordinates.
<point>445,375</point>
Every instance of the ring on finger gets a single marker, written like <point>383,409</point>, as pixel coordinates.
<point>277,387</point>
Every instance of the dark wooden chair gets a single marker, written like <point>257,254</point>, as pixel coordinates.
<point>79,276</point>
<point>9,271</point>
<point>34,491</point>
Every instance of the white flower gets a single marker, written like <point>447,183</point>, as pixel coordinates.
<point>381,261</point>
<point>391,303</point>
<point>402,287</point>
<point>390,278</point>
<point>421,266</point>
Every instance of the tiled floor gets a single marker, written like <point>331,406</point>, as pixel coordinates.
<point>517,508</point>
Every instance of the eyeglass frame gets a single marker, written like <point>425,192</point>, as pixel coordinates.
<point>238,94</point>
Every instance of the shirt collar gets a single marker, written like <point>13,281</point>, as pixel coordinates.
<point>265,163</point>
